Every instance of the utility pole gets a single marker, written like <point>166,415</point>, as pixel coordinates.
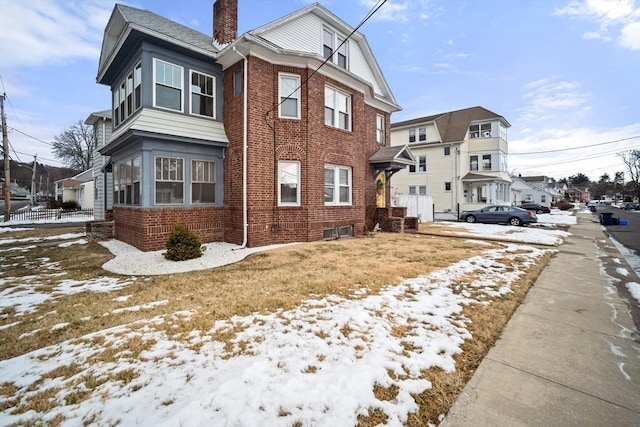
<point>33,181</point>
<point>7,162</point>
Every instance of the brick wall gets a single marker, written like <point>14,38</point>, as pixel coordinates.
<point>308,141</point>
<point>148,229</point>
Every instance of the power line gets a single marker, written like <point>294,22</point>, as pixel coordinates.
<point>29,136</point>
<point>594,156</point>
<point>575,148</point>
<point>43,158</point>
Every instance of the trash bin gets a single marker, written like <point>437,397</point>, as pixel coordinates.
<point>606,218</point>
<point>592,208</point>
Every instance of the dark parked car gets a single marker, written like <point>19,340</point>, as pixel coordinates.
<point>630,206</point>
<point>500,215</point>
<point>539,209</point>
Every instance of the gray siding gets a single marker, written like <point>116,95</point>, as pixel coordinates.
<point>102,131</point>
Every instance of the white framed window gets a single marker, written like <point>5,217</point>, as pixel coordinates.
<point>473,163</point>
<point>289,95</point>
<point>337,108</point>
<point>203,181</point>
<point>447,186</point>
<point>202,90</point>
<point>237,81</point>
<point>420,166</point>
<point>447,151</point>
<point>486,162</point>
<point>137,86</point>
<point>482,130</point>
<point>288,183</point>
<point>412,135</point>
<point>412,190</point>
<point>167,81</point>
<point>422,134</point>
<point>422,190</point>
<point>380,128</point>
<point>169,181</point>
<point>334,47</point>
<point>116,106</point>
<point>123,102</point>
<point>126,182</point>
<point>337,185</point>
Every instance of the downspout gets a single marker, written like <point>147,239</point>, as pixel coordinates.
<point>245,221</point>
<point>104,172</point>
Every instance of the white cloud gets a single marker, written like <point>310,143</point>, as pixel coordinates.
<point>390,11</point>
<point>43,32</point>
<point>609,15</point>
<point>545,95</point>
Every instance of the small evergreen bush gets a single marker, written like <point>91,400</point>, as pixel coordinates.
<point>70,205</point>
<point>182,244</point>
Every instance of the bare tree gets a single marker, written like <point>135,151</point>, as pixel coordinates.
<point>631,160</point>
<point>75,146</point>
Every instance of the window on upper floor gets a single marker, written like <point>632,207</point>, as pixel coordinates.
<point>486,162</point>
<point>473,163</point>
<point>447,186</point>
<point>380,128</point>
<point>288,183</point>
<point>202,94</point>
<point>422,134</point>
<point>289,95</point>
<point>420,166</point>
<point>337,185</point>
<point>126,96</point>
<point>482,130</point>
<point>503,132</point>
<point>203,181</point>
<point>337,108</point>
<point>334,47</point>
<point>237,82</point>
<point>447,151</point>
<point>412,135</point>
<point>167,81</point>
<point>169,181</point>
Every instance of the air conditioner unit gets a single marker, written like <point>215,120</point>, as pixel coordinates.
<point>486,134</point>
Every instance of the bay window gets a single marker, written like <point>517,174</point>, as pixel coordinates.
<point>202,100</point>
<point>167,80</point>
<point>169,180</point>
<point>203,181</point>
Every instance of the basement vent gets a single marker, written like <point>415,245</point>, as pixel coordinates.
<point>334,233</point>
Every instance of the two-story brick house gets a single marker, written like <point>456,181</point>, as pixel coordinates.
<point>461,159</point>
<point>253,139</point>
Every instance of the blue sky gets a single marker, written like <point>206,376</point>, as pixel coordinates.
<point>564,73</point>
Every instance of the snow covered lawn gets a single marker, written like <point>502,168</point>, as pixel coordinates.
<point>332,359</point>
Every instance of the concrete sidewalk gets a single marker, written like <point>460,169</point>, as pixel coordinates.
<point>570,355</point>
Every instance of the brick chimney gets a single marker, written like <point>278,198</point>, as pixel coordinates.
<point>225,21</point>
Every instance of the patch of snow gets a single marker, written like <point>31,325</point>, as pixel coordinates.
<point>74,242</point>
<point>141,307</point>
<point>531,235</point>
<point>634,290</point>
<point>622,271</point>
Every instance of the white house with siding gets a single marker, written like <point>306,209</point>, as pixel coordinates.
<point>102,176</point>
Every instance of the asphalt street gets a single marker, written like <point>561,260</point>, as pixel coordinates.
<point>15,205</point>
<point>628,235</point>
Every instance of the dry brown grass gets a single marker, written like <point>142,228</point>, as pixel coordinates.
<point>262,283</point>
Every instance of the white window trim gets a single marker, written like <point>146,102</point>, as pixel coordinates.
<point>213,96</point>
<point>155,181</point>
<point>335,43</point>
<point>417,165</point>
<point>280,202</point>
<point>336,184</point>
<point>282,95</point>
<point>192,181</point>
<point>154,82</point>
<point>380,131</point>
<point>336,113</point>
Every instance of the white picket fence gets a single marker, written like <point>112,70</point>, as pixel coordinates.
<point>417,205</point>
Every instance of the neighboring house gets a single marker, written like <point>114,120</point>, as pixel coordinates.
<point>552,191</point>
<point>15,190</point>
<point>525,192</point>
<point>461,159</point>
<point>102,177</point>
<point>78,188</point>
<point>249,140</point>
<point>579,193</point>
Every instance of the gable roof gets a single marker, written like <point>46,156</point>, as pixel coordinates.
<point>126,19</point>
<point>97,116</point>
<point>270,36</point>
<point>453,125</point>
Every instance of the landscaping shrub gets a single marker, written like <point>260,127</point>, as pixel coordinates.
<point>564,205</point>
<point>182,244</point>
<point>53,204</point>
<point>70,205</point>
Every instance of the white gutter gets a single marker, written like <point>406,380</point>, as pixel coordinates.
<point>245,221</point>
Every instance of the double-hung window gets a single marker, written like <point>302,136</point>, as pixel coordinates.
<point>337,108</point>
<point>289,94</point>
<point>422,134</point>
<point>334,47</point>
<point>169,185</point>
<point>480,131</point>
<point>202,100</point>
<point>486,162</point>
<point>473,163</point>
<point>137,86</point>
<point>126,182</point>
<point>288,183</point>
<point>167,79</point>
<point>412,135</point>
<point>337,185</point>
<point>380,128</point>
<point>126,96</point>
<point>203,181</point>
<point>447,151</point>
<point>421,165</point>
